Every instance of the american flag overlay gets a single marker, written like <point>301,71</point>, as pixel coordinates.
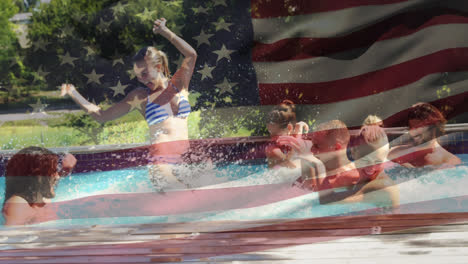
<point>334,59</point>
<point>345,59</point>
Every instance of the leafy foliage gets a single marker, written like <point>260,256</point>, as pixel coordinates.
<point>85,124</point>
<point>99,36</point>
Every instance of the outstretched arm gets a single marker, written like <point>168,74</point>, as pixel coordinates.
<point>134,99</point>
<point>382,192</point>
<point>184,74</point>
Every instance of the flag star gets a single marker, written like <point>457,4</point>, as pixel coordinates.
<point>203,38</point>
<point>41,73</point>
<point>94,77</point>
<point>219,2</point>
<point>228,100</point>
<point>40,44</point>
<point>206,72</point>
<point>171,3</point>
<point>119,89</point>
<point>89,51</point>
<point>78,16</point>
<point>158,46</point>
<point>225,86</point>
<point>221,24</point>
<point>118,9</point>
<point>117,61</point>
<point>131,74</point>
<point>15,61</point>
<point>66,31</point>
<point>38,106</point>
<point>67,59</point>
<point>200,9</point>
<point>136,103</point>
<point>223,53</point>
<point>179,61</point>
<point>146,15</point>
<point>103,25</point>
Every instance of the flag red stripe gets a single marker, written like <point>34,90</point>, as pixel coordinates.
<point>450,60</point>
<point>395,27</point>
<point>450,106</point>
<point>175,202</point>
<point>284,8</point>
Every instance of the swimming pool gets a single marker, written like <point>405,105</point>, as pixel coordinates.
<point>233,192</point>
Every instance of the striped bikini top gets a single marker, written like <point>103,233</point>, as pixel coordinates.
<point>156,113</point>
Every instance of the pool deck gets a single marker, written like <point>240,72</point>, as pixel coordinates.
<point>397,238</point>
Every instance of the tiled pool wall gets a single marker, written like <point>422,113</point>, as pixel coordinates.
<point>245,150</point>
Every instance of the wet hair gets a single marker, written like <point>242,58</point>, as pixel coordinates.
<point>373,120</point>
<point>335,130</point>
<point>29,174</point>
<point>370,138</point>
<point>154,57</point>
<point>429,115</point>
<point>283,114</point>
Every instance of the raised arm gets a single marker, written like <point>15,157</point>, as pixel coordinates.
<point>183,75</point>
<point>134,99</point>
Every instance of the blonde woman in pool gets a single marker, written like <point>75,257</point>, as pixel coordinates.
<point>163,101</point>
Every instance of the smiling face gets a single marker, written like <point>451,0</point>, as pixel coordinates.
<point>148,74</point>
<point>370,157</point>
<point>420,133</point>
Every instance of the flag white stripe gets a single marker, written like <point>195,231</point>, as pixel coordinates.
<point>379,56</point>
<point>384,104</point>
<point>337,23</point>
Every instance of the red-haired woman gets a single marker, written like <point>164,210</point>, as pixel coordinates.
<point>426,124</point>
<point>30,180</point>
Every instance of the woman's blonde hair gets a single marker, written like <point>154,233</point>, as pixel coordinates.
<point>155,57</point>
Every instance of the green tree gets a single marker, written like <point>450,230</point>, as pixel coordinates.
<point>99,36</point>
<point>8,41</point>
<point>84,124</point>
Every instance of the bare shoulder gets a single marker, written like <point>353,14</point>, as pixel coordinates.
<point>15,205</point>
<point>450,158</point>
<point>17,211</point>
<point>16,199</point>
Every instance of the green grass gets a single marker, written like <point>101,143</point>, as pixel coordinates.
<point>131,128</point>
<point>18,137</point>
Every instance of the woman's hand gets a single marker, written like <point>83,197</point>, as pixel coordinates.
<point>300,128</point>
<point>66,89</point>
<point>68,162</point>
<point>159,26</point>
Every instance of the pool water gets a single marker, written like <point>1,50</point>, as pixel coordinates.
<point>416,185</point>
